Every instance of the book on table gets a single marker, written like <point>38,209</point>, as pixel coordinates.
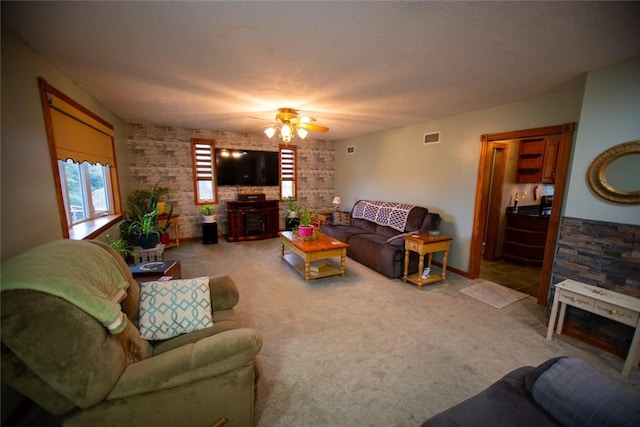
<point>152,267</point>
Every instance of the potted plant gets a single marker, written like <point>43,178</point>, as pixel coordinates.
<point>208,213</point>
<point>306,217</point>
<point>291,220</point>
<point>120,245</point>
<point>144,228</point>
<point>292,209</point>
<point>150,199</point>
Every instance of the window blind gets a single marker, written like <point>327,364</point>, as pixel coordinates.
<point>204,156</point>
<point>287,164</point>
<point>77,133</point>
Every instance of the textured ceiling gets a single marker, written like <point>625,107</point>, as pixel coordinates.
<point>357,67</point>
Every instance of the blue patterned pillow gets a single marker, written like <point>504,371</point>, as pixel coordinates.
<point>174,307</point>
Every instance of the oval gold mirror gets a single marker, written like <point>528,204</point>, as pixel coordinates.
<point>625,176</point>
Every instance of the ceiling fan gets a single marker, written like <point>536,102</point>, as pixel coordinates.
<point>289,123</point>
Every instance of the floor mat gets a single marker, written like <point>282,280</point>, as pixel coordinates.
<point>493,294</point>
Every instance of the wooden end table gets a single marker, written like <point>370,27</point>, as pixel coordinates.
<point>307,250</point>
<point>426,244</point>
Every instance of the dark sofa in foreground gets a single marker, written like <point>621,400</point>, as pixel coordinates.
<point>374,231</point>
<point>563,391</point>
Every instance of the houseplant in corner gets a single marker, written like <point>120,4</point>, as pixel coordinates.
<point>305,216</point>
<point>144,228</point>
<point>148,199</point>
<point>208,213</point>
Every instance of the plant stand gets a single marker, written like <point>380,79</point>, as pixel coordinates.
<point>209,233</point>
<point>153,254</point>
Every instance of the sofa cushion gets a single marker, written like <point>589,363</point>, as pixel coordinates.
<point>373,251</point>
<point>505,403</point>
<point>416,218</point>
<point>431,222</point>
<point>363,224</point>
<point>342,232</point>
<point>575,394</point>
<point>174,307</point>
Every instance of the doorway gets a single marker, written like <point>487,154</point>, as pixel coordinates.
<point>493,266</point>
<point>486,187</point>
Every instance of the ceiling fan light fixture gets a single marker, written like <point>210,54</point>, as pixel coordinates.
<point>302,133</point>
<point>270,131</point>
<point>288,124</point>
<point>285,132</point>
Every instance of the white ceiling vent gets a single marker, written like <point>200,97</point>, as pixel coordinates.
<point>431,138</point>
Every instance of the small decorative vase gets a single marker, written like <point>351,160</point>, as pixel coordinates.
<point>305,230</point>
<point>208,219</point>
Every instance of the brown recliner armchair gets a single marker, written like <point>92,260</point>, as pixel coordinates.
<point>68,362</point>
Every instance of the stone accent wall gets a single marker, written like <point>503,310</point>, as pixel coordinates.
<point>602,254</point>
<point>163,154</point>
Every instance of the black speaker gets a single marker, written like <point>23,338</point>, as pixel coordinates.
<point>210,233</point>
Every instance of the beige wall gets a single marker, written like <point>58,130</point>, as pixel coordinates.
<point>394,165</point>
<point>610,116</point>
<point>29,210</point>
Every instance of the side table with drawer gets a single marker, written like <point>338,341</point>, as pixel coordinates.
<point>426,244</point>
<point>604,302</point>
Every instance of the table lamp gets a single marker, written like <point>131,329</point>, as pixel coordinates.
<point>337,201</point>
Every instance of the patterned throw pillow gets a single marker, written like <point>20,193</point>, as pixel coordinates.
<point>174,307</point>
<point>341,218</point>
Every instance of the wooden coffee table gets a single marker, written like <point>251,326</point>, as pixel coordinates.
<point>305,251</point>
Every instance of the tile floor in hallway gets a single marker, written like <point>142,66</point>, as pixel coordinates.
<point>519,277</point>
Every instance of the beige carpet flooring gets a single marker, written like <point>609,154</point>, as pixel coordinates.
<point>365,350</point>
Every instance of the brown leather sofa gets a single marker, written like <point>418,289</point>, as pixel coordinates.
<point>374,243</point>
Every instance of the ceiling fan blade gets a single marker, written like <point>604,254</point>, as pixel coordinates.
<point>310,126</point>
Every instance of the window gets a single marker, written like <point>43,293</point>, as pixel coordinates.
<point>204,170</point>
<point>85,190</point>
<point>84,165</point>
<point>288,172</point>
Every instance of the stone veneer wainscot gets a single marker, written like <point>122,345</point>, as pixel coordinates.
<point>602,254</point>
<point>163,153</point>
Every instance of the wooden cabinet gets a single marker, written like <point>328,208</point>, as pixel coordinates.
<point>525,239</point>
<point>252,220</point>
<point>550,157</point>
<point>537,160</point>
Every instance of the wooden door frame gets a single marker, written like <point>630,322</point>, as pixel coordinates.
<point>482,192</point>
<point>493,206</point>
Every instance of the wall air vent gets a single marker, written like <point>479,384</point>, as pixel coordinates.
<point>431,138</point>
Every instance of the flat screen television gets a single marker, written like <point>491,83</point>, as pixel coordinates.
<point>246,167</point>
